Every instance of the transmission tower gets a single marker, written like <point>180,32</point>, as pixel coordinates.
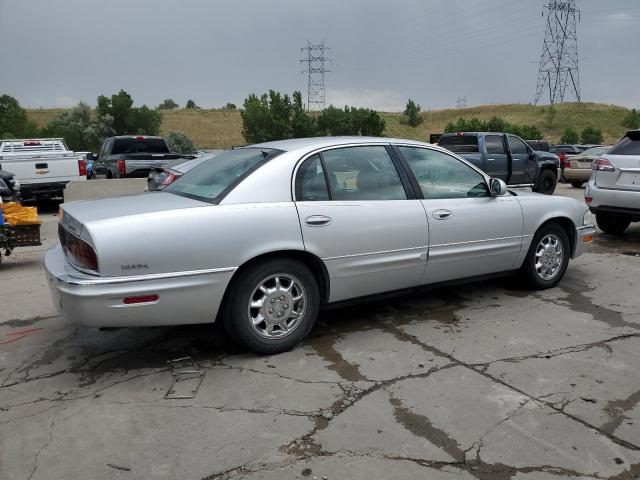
<point>316,61</point>
<point>558,70</point>
<point>461,102</point>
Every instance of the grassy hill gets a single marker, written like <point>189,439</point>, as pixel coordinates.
<point>223,129</point>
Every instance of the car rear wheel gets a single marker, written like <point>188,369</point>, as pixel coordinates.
<point>272,306</point>
<point>612,224</point>
<point>547,259</point>
<point>576,183</point>
<point>546,182</point>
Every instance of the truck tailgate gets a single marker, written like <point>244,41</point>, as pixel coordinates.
<point>43,168</point>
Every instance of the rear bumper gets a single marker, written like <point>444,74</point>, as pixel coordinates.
<point>577,174</point>
<point>42,190</point>
<point>619,202</point>
<point>183,298</point>
<point>584,239</point>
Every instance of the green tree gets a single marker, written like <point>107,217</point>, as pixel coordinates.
<point>230,106</point>
<point>569,135</point>
<point>168,104</point>
<point>496,124</point>
<point>591,135</point>
<point>191,105</point>
<point>80,128</point>
<point>632,119</point>
<point>411,114</point>
<point>266,118</point>
<point>127,119</point>
<point>302,124</point>
<point>13,119</point>
<point>179,142</point>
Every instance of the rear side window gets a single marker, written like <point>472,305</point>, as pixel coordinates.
<point>460,143</point>
<point>139,145</point>
<point>629,145</point>
<point>311,184</point>
<point>362,173</point>
<point>494,144</point>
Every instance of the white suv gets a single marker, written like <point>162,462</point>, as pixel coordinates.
<point>613,191</point>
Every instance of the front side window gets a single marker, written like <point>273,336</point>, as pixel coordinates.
<point>215,177</point>
<point>494,144</point>
<point>362,173</point>
<point>443,176</point>
<point>517,146</point>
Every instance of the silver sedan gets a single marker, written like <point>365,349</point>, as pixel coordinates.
<point>261,238</point>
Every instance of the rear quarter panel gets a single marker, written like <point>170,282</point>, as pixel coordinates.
<point>208,237</point>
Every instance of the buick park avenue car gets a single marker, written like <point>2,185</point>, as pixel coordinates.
<point>260,238</point>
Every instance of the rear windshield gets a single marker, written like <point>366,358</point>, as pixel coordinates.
<point>593,151</point>
<point>564,149</point>
<point>139,145</point>
<point>629,145</point>
<point>460,143</point>
<point>214,178</point>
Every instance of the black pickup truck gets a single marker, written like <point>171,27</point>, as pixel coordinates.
<point>506,157</point>
<point>131,156</point>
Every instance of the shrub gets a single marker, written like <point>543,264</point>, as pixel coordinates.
<point>191,105</point>
<point>411,115</point>
<point>80,129</point>
<point>168,104</point>
<point>632,119</point>
<point>230,106</point>
<point>591,135</point>
<point>179,142</point>
<point>569,135</point>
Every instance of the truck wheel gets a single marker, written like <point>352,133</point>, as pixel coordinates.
<point>547,259</point>
<point>546,182</point>
<point>272,306</point>
<point>576,183</point>
<point>612,224</point>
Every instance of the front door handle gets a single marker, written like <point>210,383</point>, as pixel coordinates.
<point>491,159</point>
<point>441,214</point>
<point>317,220</point>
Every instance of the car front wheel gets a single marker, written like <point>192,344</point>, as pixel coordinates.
<point>547,259</point>
<point>612,224</point>
<point>272,306</point>
<point>546,182</point>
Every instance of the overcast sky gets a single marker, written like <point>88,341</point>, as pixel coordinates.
<point>57,52</point>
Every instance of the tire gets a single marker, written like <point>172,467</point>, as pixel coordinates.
<point>612,224</point>
<point>576,183</point>
<point>538,272</point>
<point>241,318</point>
<point>546,183</point>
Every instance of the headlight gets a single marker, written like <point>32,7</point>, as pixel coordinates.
<point>587,218</point>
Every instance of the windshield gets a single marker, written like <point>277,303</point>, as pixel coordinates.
<point>460,143</point>
<point>214,178</point>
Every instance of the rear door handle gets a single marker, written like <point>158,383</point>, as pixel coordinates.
<point>317,220</point>
<point>491,159</point>
<point>441,214</point>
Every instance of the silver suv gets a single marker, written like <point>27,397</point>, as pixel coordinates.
<point>613,191</point>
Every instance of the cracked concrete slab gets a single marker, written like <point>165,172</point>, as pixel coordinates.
<point>480,381</point>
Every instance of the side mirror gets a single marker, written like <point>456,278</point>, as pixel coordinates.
<point>497,187</point>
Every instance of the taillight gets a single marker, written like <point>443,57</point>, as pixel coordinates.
<point>80,253</point>
<point>121,167</point>
<point>603,164</point>
<point>567,164</point>
<point>562,156</point>
<point>169,179</point>
<point>588,199</point>
<point>82,168</point>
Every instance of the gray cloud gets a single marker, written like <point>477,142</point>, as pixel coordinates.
<point>56,52</point>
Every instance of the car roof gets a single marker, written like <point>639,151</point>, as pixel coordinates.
<point>313,143</point>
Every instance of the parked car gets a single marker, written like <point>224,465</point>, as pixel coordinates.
<point>539,145</point>
<point>613,191</point>
<point>131,156</point>
<point>506,157</point>
<point>578,169</point>
<point>260,238</point>
<point>565,152</point>
<point>9,187</point>
<point>161,177</point>
<point>43,166</point>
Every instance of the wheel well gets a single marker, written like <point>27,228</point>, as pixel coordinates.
<point>314,263</point>
<point>553,168</point>
<point>568,226</point>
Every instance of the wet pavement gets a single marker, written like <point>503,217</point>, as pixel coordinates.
<point>481,381</point>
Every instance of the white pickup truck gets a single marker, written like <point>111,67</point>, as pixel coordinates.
<point>43,166</point>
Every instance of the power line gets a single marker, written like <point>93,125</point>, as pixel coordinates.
<point>316,61</point>
<point>558,69</point>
